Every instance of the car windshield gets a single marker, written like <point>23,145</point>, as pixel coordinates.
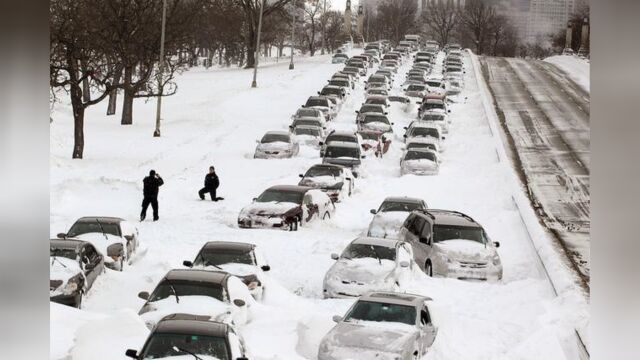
<point>424,132</point>
<point>341,151</point>
<point>371,108</point>
<point>345,138</point>
<point>350,69</point>
<point>416,87</point>
<point>378,79</point>
<point>421,146</point>
<point>416,78</point>
<point>377,92</point>
<point>307,112</point>
<point>339,83</point>
<point>224,256</point>
<point>373,118</point>
<point>419,155</point>
<point>375,101</point>
<point>271,138</point>
<point>85,227</point>
<point>434,105</point>
<point>449,232</point>
<point>376,311</point>
<point>433,117</point>
<point>161,345</point>
<point>322,171</point>
<point>65,253</point>
<point>281,196</point>
<point>388,206</point>
<point>361,251</point>
<point>331,91</point>
<point>305,122</point>
<point>434,83</point>
<point>186,288</point>
<point>317,102</point>
<point>306,131</point>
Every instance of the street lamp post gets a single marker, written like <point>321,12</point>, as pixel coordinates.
<point>324,14</point>
<point>257,52</point>
<point>156,132</point>
<point>293,33</point>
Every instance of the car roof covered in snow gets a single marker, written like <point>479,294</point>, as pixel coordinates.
<point>278,132</point>
<point>345,144</point>
<point>188,324</point>
<point>291,188</point>
<point>368,240</point>
<point>228,246</point>
<point>394,298</point>
<point>402,199</point>
<point>330,166</point>
<point>216,277</point>
<point>71,244</point>
<point>102,219</point>
<point>342,133</point>
<point>450,217</point>
<point>377,97</point>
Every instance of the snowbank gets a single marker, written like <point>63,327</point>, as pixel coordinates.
<point>578,69</point>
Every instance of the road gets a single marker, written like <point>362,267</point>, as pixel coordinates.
<point>546,118</point>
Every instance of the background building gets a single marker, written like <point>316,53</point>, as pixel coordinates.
<point>547,17</point>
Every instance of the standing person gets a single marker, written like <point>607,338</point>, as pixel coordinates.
<point>152,185</point>
<point>211,183</point>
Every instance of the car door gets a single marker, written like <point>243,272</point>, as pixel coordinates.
<point>309,209</point>
<point>428,330</point>
<point>92,264</point>
<point>420,247</point>
<point>237,290</point>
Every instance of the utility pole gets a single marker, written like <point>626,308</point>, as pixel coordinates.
<point>324,20</point>
<point>293,33</point>
<point>257,53</point>
<point>156,132</point>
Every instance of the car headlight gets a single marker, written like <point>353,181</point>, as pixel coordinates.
<point>70,288</point>
<point>496,260</point>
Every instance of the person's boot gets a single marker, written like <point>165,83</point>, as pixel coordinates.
<point>156,219</point>
<point>142,218</point>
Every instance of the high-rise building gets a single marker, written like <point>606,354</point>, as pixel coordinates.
<point>548,17</point>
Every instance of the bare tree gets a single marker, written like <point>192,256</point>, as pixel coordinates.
<point>393,19</point>
<point>442,18</point>
<point>477,21</point>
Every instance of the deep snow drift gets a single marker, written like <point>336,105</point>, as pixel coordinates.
<point>578,69</point>
<point>214,120</point>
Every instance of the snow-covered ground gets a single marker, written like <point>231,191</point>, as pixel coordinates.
<point>576,68</point>
<point>214,120</point>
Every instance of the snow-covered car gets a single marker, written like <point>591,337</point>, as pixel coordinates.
<point>419,162</point>
<point>370,108</point>
<point>358,64</point>
<point>423,129</point>
<point>391,214</point>
<point>304,121</point>
<point>347,154</point>
<point>320,103</point>
<point>439,118</point>
<point>378,81</point>
<point>309,113</point>
<point>435,84</point>
<point>432,105</point>
<point>114,237</point>
<point>276,145</point>
<point>74,265</point>
<point>375,122</point>
<point>286,207</point>
<point>352,70</point>
<point>343,83</point>
<point>390,64</point>
<point>368,264</point>
<point>377,91</point>
<point>339,136</point>
<point>451,244</point>
<point>454,86</point>
<point>413,79</point>
<point>243,260</point>
<point>375,141</point>
<point>186,336</point>
<point>216,294</point>
<point>388,73</point>
<point>335,180</point>
<point>378,100</point>
<point>336,92</point>
<point>308,135</point>
<point>344,77</point>
<point>422,143</point>
<point>339,58</point>
<point>416,91</point>
<point>381,326</point>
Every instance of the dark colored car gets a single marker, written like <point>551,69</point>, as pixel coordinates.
<point>193,336</point>
<point>335,180</point>
<point>286,207</point>
<point>74,265</point>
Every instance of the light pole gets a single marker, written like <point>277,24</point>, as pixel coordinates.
<point>324,21</point>
<point>156,132</point>
<point>257,53</point>
<point>293,33</point>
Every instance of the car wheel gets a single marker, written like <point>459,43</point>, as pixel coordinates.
<point>326,216</point>
<point>428,269</point>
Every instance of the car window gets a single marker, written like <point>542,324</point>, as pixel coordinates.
<point>91,253</point>
<point>424,316</point>
<point>418,224</point>
<point>163,345</point>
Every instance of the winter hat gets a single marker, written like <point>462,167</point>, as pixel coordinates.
<point>152,173</point>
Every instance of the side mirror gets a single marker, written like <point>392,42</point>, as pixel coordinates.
<point>239,302</point>
<point>404,264</point>
<point>496,243</point>
<point>265,267</point>
<point>257,141</point>
<point>363,156</point>
<point>242,358</point>
<point>320,143</point>
<point>357,111</point>
<point>373,211</point>
<point>131,353</point>
<point>128,237</point>
<point>300,175</point>
<point>62,235</point>
<point>386,113</point>
<point>419,102</point>
<point>144,295</point>
<point>335,256</point>
<point>405,128</point>
<point>448,111</point>
<point>443,138</point>
<point>187,263</point>
<point>254,199</point>
<point>336,318</point>
<point>404,136</point>
<point>303,106</point>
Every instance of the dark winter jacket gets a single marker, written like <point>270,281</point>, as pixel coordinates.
<point>151,186</point>
<point>211,181</point>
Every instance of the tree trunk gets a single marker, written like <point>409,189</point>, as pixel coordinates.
<point>113,94</point>
<point>129,92</point>
<point>251,49</point>
<point>78,120</point>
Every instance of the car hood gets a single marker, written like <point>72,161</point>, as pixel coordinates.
<point>274,146</point>
<point>153,312</point>
<point>268,208</point>
<point>100,242</point>
<point>60,271</point>
<point>420,164</point>
<point>466,250</point>
<point>341,161</point>
<point>380,126</point>
<point>321,108</point>
<point>387,224</point>
<point>386,337</point>
<point>232,268</point>
<point>320,181</point>
<point>365,270</point>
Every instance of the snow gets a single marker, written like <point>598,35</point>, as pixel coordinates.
<point>579,70</point>
<point>63,269</point>
<point>214,119</point>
